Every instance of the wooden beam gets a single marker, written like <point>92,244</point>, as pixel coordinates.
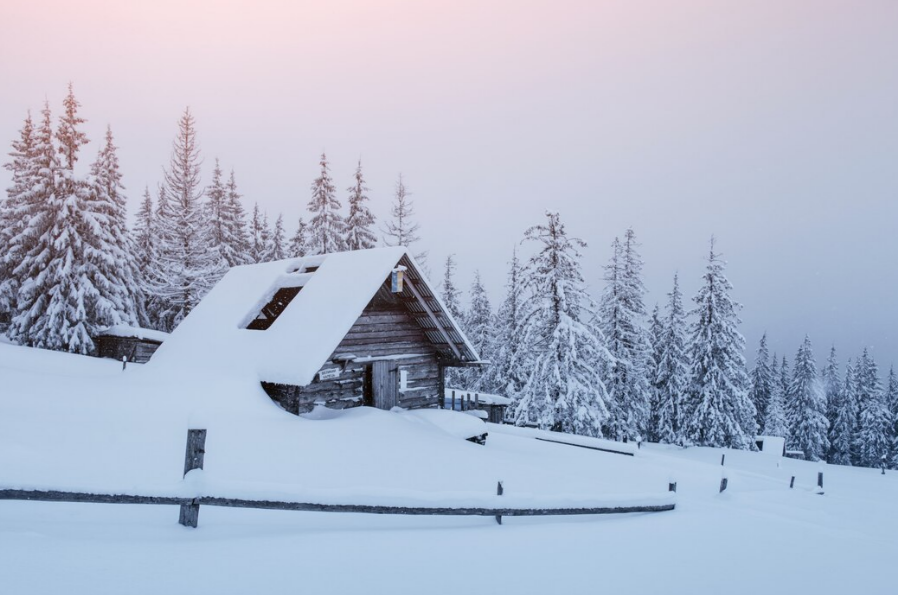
<point>433,318</point>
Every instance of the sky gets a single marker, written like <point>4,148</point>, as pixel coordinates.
<point>771,125</point>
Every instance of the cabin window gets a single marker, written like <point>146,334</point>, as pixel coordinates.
<point>403,379</point>
<point>273,308</point>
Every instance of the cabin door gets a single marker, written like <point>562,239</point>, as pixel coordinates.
<point>385,384</point>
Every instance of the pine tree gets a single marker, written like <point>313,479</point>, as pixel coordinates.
<point>266,240</point>
<point>718,410</point>
<point>842,434</point>
<point>258,247</point>
<point>672,372</point>
<point>656,335</point>
<point>70,138</point>
<point>145,252</point>
<point>874,435</point>
<point>279,240</point>
<point>55,293</point>
<point>187,268</point>
<point>775,423</point>
<point>832,387</point>
<point>360,223</point>
<point>806,407</point>
<point>478,325</point>
<point>454,377</point>
<point>402,230</point>
<point>236,237</point>
<point>623,318</point>
<point>327,229</point>
<point>761,381</point>
<point>564,390</point>
<point>13,212</point>
<point>299,242</point>
<point>111,250</point>
<point>892,400</point>
<point>507,373</point>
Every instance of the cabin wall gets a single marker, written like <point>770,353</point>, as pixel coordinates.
<point>136,350</point>
<point>384,330</point>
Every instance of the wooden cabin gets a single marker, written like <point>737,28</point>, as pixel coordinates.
<point>127,343</point>
<point>341,330</point>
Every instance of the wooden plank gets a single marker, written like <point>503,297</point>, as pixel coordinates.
<point>62,496</point>
<point>617,452</point>
<point>193,459</point>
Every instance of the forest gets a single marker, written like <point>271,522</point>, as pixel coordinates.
<point>607,367</point>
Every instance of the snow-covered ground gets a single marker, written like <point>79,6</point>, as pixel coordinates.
<point>78,423</point>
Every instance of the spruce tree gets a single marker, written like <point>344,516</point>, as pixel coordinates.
<point>187,267</point>
<point>761,381</point>
<point>327,229</point>
<point>623,325</point>
<point>656,334</point>
<point>402,230</point>
<point>775,423</point>
<point>672,374</point>
<point>145,252</point>
<point>875,423</point>
<point>718,411</point>
<point>806,407</point>
<point>842,434</point>
<point>266,240</point>
<point>13,214</point>
<point>454,377</point>
<point>478,326</point>
<point>299,242</point>
<point>111,250</point>
<point>236,239</point>
<point>55,293</point>
<point>892,400</point>
<point>832,387</point>
<point>258,247</point>
<point>564,390</point>
<point>360,223</point>
<point>279,240</point>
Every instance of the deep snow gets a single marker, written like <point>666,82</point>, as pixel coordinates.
<point>75,422</point>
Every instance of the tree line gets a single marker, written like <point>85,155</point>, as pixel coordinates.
<point>71,266</point>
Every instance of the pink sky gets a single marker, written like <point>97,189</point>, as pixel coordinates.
<point>772,124</point>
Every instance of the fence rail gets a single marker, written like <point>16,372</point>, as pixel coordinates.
<point>190,506</point>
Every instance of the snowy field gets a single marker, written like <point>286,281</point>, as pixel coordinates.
<point>70,422</point>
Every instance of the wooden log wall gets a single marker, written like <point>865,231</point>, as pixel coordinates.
<point>384,330</point>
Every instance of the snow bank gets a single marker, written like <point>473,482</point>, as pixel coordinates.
<point>135,332</point>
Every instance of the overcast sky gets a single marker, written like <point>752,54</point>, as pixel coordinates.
<point>772,124</point>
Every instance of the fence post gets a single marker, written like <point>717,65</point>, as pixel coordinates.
<point>453,400</point>
<point>672,487</point>
<point>193,459</point>
<point>499,491</point>
<point>723,458</point>
<point>723,484</point>
<point>792,483</point>
<point>820,482</point>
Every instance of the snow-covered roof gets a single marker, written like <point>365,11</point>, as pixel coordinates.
<point>335,289</point>
<point>134,332</point>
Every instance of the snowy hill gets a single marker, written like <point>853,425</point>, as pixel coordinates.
<point>71,422</point>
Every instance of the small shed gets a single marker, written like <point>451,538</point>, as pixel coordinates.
<point>129,343</point>
<point>343,329</point>
<point>493,406</point>
<point>771,445</point>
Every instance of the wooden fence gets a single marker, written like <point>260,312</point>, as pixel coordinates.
<point>190,507</point>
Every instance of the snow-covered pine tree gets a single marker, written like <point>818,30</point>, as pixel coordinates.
<point>479,328</point>
<point>832,387</point>
<point>258,247</point>
<point>806,406</point>
<point>187,267</point>
<point>449,293</point>
<point>623,316</point>
<point>761,381</point>
<point>327,228</point>
<point>672,373</point>
<point>506,374</point>
<point>360,223</point>
<point>656,334</point>
<point>842,433</point>
<point>279,240</point>
<point>299,242</point>
<point>892,400</point>
<point>564,390</point>
<point>145,251</point>
<point>402,229</point>
<point>236,238</point>
<point>55,290</point>
<point>718,411</point>
<point>875,428</point>
<point>13,214</point>
<point>111,252</point>
<point>775,423</point>
<point>266,240</point>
